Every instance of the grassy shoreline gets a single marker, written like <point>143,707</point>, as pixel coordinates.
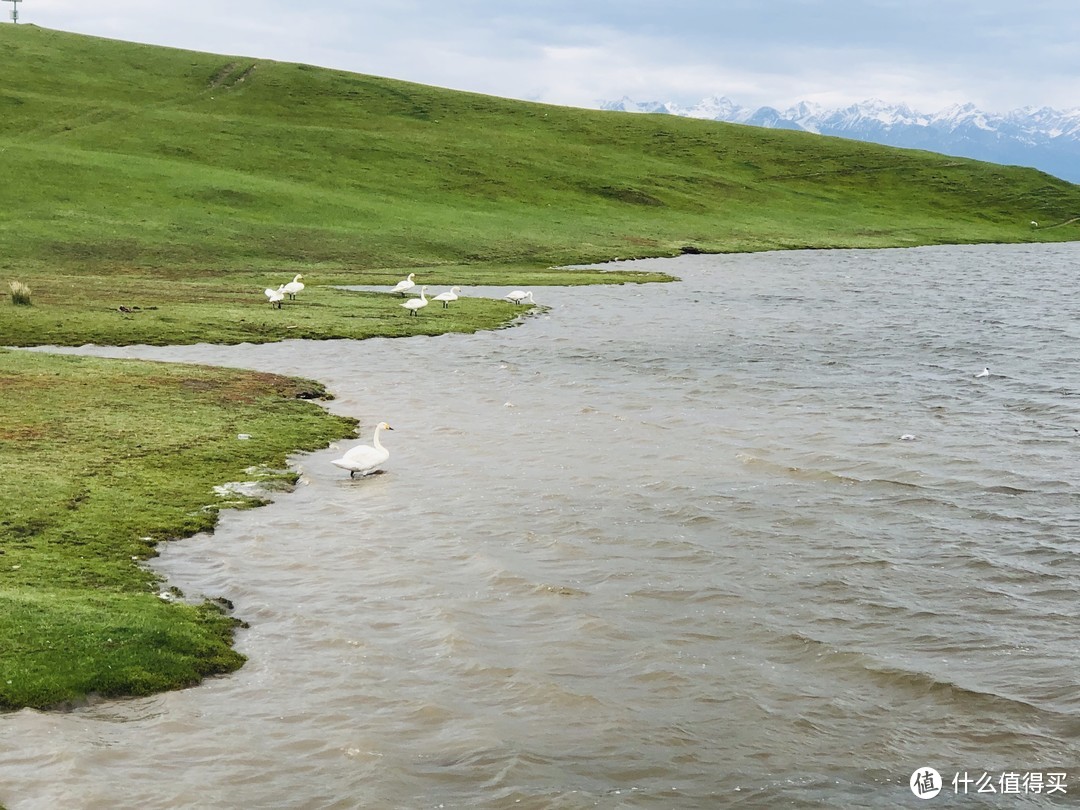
<point>100,469</point>
<point>71,310</point>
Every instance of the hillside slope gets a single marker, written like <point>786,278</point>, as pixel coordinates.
<point>133,158</point>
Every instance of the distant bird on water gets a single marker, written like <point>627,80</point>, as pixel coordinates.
<point>275,297</point>
<point>293,287</point>
<point>413,304</point>
<point>364,459</point>
<point>405,284</point>
<point>448,296</point>
<point>519,297</point>
<point>984,373</point>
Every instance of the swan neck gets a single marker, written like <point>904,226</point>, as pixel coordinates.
<point>375,441</point>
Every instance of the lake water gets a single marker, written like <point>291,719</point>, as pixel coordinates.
<point>659,546</point>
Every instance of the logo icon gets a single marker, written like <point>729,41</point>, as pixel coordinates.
<point>925,783</point>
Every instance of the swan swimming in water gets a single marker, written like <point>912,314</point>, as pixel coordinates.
<point>519,297</point>
<point>448,296</point>
<point>984,373</point>
<point>405,284</point>
<point>363,458</point>
<point>413,304</point>
<point>293,287</point>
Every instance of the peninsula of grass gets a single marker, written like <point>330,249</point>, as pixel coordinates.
<point>98,469</point>
<point>150,195</point>
<point>71,311</point>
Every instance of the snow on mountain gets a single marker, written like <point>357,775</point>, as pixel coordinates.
<point>626,104</point>
<point>1042,138</point>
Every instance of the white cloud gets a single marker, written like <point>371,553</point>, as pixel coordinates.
<point>927,54</point>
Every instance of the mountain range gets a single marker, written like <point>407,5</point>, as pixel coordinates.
<point>1042,138</point>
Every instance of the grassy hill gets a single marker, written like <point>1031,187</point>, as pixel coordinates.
<point>124,158</point>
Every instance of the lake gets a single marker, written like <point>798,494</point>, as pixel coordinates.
<point>756,538</point>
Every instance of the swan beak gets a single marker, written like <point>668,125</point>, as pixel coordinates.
<point>389,428</point>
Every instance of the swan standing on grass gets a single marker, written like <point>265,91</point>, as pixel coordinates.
<point>405,284</point>
<point>363,458</point>
<point>984,373</point>
<point>293,287</point>
<point>519,297</point>
<point>275,297</point>
<point>413,304</point>
<point>448,296</point>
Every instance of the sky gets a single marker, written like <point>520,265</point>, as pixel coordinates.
<point>928,54</point>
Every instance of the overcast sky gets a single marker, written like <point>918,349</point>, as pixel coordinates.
<point>927,54</point>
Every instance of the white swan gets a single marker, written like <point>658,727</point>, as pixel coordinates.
<point>519,297</point>
<point>294,286</point>
<point>405,284</point>
<point>275,297</point>
<point>448,296</point>
<point>363,458</point>
<point>984,373</point>
<point>413,304</point>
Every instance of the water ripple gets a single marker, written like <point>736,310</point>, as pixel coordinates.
<point>663,547</point>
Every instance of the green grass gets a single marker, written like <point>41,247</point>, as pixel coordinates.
<point>98,470</point>
<point>151,194</point>
<point>94,309</point>
<point>123,160</point>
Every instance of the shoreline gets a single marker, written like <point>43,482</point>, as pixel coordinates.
<point>36,673</point>
<point>78,530</point>
<point>185,526</point>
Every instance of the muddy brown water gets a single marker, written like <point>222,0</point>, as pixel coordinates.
<point>658,546</point>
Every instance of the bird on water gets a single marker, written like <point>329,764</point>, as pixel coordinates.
<point>365,459</point>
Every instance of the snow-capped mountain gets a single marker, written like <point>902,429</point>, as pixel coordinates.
<point>1042,138</point>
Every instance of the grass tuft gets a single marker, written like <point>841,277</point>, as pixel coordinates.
<point>20,293</point>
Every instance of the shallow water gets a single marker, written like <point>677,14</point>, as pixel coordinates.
<point>658,546</point>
